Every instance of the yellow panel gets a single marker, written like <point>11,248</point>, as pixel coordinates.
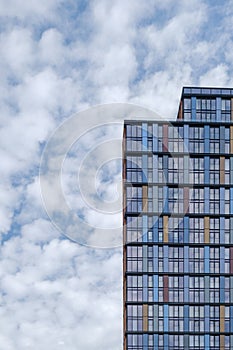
<point>207,229</point>
<point>222,170</point>
<point>144,198</point>
<point>231,139</point>
<point>222,342</point>
<point>165,228</point>
<point>222,318</point>
<point>145,317</point>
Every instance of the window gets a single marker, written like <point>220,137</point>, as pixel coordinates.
<point>150,318</point>
<point>134,288</point>
<point>196,260</point>
<point>176,318</point>
<point>134,169</point>
<point>176,200</point>
<point>133,137</point>
<point>227,170</point>
<point>160,318</point>
<point>176,342</point>
<point>134,199</point>
<point>214,260</point>
<point>214,342</point>
<point>227,140</point>
<point>196,342</point>
<point>176,289</point>
<point>227,201</point>
<point>196,230</point>
<point>196,289</point>
<point>227,260</point>
<point>176,170</point>
<point>226,110</point>
<point>161,177</point>
<point>196,139</point>
<point>150,169</point>
<point>196,319</point>
<point>196,175</point>
<point>160,138</point>
<point>134,228</point>
<point>175,230</point>
<point>227,291</point>
<point>134,258</point>
<point>196,204</point>
<point>214,319</point>
<point>214,289</point>
<point>214,201</point>
<point>214,140</point>
<point>227,231</point>
<point>150,137</point>
<point>134,341</point>
<point>176,259</point>
<point>214,171</point>
<point>187,108</point>
<point>206,109</point>
<point>160,259</point>
<point>214,230</point>
<point>175,138</point>
<point>161,288</point>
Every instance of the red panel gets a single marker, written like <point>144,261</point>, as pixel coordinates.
<point>165,138</point>
<point>165,289</point>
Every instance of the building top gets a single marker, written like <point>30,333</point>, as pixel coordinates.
<point>208,91</point>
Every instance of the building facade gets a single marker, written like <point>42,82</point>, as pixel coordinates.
<point>178,226</point>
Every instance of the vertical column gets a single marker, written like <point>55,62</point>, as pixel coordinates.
<point>144,136</point>
<point>145,341</point>
<point>193,105</point>
<point>222,230</point>
<point>186,318</point>
<point>231,290</point>
<point>155,288</point>
<point>231,200</point>
<point>231,259</point>
<point>165,258</point>
<point>207,319</point>
<point>206,170</point>
<point>165,197</point>
<point>155,228</point>
<point>207,259</point>
<point>145,288</point>
<point>231,171</point>
<point>186,229</point>
<point>155,199</point>
<point>222,327</point>
<point>144,168</point>
<point>222,289</point>
<point>222,259</point>
<point>165,138</point>
<point>155,137</point>
<point>222,170</point>
<point>145,317</point>
<point>144,199</point>
<point>231,108</point>
<point>207,341</point>
<point>165,229</point>
<point>186,138</point>
<point>165,289</point>
<point>186,169</point>
<point>206,139</point>
<point>222,139</point>
<point>222,200</point>
<point>186,199</point>
<point>206,199</point>
<point>155,168</point>
<point>207,229</point>
<point>186,259</point>
<point>218,108</point>
<point>186,289</point>
<point>165,315</point>
<point>231,139</point>
<point>144,228</point>
<point>207,289</point>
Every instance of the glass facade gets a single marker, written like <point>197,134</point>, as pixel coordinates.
<point>178,226</point>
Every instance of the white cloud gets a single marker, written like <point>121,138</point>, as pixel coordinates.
<point>54,62</point>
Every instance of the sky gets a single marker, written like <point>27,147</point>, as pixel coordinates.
<point>61,59</point>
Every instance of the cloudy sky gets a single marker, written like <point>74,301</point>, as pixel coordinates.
<point>60,57</point>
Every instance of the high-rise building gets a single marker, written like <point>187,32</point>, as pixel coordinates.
<point>178,226</point>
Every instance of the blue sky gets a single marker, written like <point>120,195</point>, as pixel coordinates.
<point>59,58</point>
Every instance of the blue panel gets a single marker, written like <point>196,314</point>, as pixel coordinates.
<point>222,230</point>
<point>186,289</point>
<point>165,313</point>
<point>207,258</point>
<point>156,341</point>
<point>186,229</point>
<point>207,318</point>
<point>207,341</point>
<point>222,259</point>
<point>218,108</point>
<point>155,168</point>
<point>207,170</point>
<point>155,228</point>
<point>165,258</point>
<point>144,136</point>
<point>207,200</point>
<point>231,200</point>
<point>144,168</point>
<point>222,139</point>
<point>231,170</point>
<point>231,319</point>
<point>155,137</point>
<point>193,105</point>
<point>222,289</point>
<point>144,281</point>
<point>222,200</point>
<point>144,228</point>
<point>145,341</point>
<point>186,259</point>
<point>206,138</point>
<point>165,341</point>
<point>186,318</point>
<point>165,167</point>
<point>144,258</point>
<point>155,285</point>
<point>186,131</point>
<point>165,196</point>
<point>155,252</point>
